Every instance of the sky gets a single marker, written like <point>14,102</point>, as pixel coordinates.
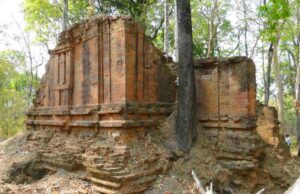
<point>11,13</point>
<point>8,10</point>
<point>11,16</point>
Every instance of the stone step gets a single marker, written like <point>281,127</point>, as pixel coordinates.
<point>102,173</point>
<point>60,164</point>
<point>141,163</point>
<point>104,190</point>
<point>106,183</point>
<point>139,174</point>
<point>112,168</point>
<point>51,168</point>
<point>93,165</point>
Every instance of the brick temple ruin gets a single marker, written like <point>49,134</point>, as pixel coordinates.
<point>105,79</point>
<point>106,86</point>
<point>101,75</point>
<point>226,108</point>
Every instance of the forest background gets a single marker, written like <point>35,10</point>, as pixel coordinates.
<point>268,31</point>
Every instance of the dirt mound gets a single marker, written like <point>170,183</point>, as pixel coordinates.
<point>60,182</point>
<point>275,168</point>
<point>23,168</point>
<point>275,173</point>
<point>32,162</point>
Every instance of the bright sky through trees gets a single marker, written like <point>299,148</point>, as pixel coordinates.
<point>12,22</point>
<point>226,27</point>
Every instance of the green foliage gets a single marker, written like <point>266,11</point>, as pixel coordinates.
<point>288,75</point>
<point>290,113</point>
<point>136,9</point>
<point>42,17</point>
<point>275,12</point>
<point>201,15</point>
<point>14,89</point>
<point>45,16</point>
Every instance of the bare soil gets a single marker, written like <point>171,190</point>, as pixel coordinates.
<point>22,172</point>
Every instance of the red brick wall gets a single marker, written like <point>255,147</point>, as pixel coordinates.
<point>226,87</point>
<point>104,61</point>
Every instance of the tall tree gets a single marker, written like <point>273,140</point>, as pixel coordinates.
<point>166,34</point>
<point>213,27</point>
<point>278,82</point>
<point>14,88</point>
<point>297,84</point>
<point>185,121</point>
<point>92,8</point>
<point>245,27</point>
<point>268,74</point>
<point>213,33</point>
<point>65,15</point>
<point>45,17</point>
<point>267,77</point>
<point>276,13</point>
<point>176,33</point>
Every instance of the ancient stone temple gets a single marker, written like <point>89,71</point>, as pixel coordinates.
<point>104,73</point>
<point>107,83</point>
<point>226,101</point>
<point>107,89</point>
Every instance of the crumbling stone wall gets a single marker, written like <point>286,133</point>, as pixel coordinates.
<point>226,102</point>
<point>105,86</point>
<point>268,125</point>
<point>103,66</point>
<point>241,134</point>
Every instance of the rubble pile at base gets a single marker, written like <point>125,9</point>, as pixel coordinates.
<point>105,86</point>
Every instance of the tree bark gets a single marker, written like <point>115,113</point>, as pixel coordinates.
<point>166,34</point>
<point>268,75</point>
<point>263,66</point>
<point>185,120</point>
<point>92,7</point>
<point>245,28</point>
<point>65,15</point>
<point>297,82</point>
<point>278,84</point>
<point>212,30</point>
<point>176,33</point>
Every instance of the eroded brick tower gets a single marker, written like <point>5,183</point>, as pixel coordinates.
<point>105,86</point>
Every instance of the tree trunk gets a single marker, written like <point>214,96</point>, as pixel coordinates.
<point>263,66</point>
<point>166,37</point>
<point>185,121</point>
<point>65,15</point>
<point>212,30</point>
<point>92,7</point>
<point>297,84</point>
<point>298,119</point>
<point>176,33</point>
<point>268,75</point>
<point>245,28</point>
<point>278,83</point>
